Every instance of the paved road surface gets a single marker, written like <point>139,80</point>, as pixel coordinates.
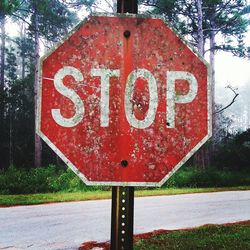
<point>67,225</point>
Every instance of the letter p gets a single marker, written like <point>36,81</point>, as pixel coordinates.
<point>173,98</point>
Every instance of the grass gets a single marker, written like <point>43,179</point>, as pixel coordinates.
<point>174,191</point>
<point>234,236</point>
<point>32,199</point>
<point>209,237</point>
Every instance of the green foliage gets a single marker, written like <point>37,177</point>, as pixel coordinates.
<point>226,18</point>
<point>11,64</point>
<point>54,18</point>
<point>21,121</point>
<point>170,10</point>
<point>54,179</point>
<point>16,143</point>
<point>210,177</point>
<point>234,152</point>
<point>23,181</point>
<point>25,50</point>
<point>7,7</point>
<point>41,180</point>
<point>66,181</point>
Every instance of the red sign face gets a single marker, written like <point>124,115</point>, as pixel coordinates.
<point>124,101</point>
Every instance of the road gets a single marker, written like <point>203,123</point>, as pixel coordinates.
<point>67,225</point>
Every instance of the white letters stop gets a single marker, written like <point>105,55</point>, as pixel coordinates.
<point>105,74</point>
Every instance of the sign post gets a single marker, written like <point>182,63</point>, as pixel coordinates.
<point>122,218</point>
<point>122,212</point>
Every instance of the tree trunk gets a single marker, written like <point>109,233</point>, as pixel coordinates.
<point>11,158</point>
<point>211,61</point>
<point>200,35</point>
<point>114,6</point>
<point>22,35</point>
<point>2,69</point>
<point>23,67</point>
<point>2,84</point>
<point>201,159</point>
<point>38,142</point>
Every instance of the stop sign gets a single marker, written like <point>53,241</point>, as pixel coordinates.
<point>124,101</point>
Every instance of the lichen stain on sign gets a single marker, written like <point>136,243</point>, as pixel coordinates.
<point>124,101</point>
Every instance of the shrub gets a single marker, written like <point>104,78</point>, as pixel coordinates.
<point>22,181</point>
<point>210,177</point>
<point>234,152</point>
<point>41,180</point>
<point>53,179</point>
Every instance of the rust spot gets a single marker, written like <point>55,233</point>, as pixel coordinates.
<point>139,21</point>
<point>151,166</point>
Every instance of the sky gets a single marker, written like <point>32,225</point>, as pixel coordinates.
<point>232,70</point>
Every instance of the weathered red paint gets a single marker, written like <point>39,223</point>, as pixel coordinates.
<point>94,152</point>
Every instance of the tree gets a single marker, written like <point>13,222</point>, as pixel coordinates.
<point>6,9</point>
<point>25,51</point>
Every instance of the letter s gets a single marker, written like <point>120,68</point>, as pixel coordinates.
<point>69,93</point>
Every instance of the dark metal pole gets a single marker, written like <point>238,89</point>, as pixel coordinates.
<point>122,219</point>
<point>127,6</point>
<point>122,214</point>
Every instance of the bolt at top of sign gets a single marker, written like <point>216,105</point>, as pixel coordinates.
<point>124,101</point>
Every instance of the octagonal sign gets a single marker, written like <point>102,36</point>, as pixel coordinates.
<point>123,100</point>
